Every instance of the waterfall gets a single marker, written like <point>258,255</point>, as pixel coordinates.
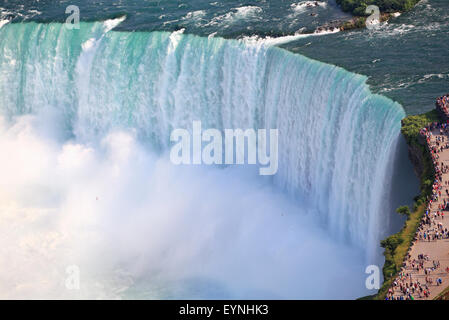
<point>335,136</point>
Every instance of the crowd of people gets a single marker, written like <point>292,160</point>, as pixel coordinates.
<point>419,273</point>
<point>442,105</point>
<point>408,288</point>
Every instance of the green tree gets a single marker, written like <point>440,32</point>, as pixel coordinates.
<point>404,210</point>
<point>391,242</point>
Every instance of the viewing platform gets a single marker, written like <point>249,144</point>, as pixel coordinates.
<point>425,270</point>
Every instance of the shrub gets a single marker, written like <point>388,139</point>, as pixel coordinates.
<point>404,210</point>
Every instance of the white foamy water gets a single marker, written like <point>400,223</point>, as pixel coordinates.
<point>236,14</point>
<point>307,5</point>
<point>195,15</point>
<point>3,22</point>
<point>112,23</point>
<point>273,41</point>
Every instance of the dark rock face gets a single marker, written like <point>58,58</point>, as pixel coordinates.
<point>416,157</point>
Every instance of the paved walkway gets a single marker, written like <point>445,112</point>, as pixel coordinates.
<point>428,258</point>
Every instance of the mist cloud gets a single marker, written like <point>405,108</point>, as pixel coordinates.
<point>139,227</point>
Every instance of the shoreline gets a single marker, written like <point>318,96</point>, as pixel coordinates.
<point>358,9</point>
<point>400,246</point>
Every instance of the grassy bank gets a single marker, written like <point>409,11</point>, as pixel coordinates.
<point>397,245</point>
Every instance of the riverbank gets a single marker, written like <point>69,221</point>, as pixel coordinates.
<point>425,270</point>
<point>357,8</point>
<point>397,245</point>
<point>417,257</point>
<point>359,22</point>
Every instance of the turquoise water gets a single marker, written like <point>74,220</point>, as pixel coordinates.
<point>406,60</point>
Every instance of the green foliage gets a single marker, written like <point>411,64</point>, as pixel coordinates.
<point>356,23</point>
<point>357,7</point>
<point>427,184</point>
<point>413,124</point>
<point>360,23</point>
<point>419,200</point>
<point>404,210</point>
<point>391,242</point>
<point>360,11</point>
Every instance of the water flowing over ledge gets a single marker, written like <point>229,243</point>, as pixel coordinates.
<point>335,137</point>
